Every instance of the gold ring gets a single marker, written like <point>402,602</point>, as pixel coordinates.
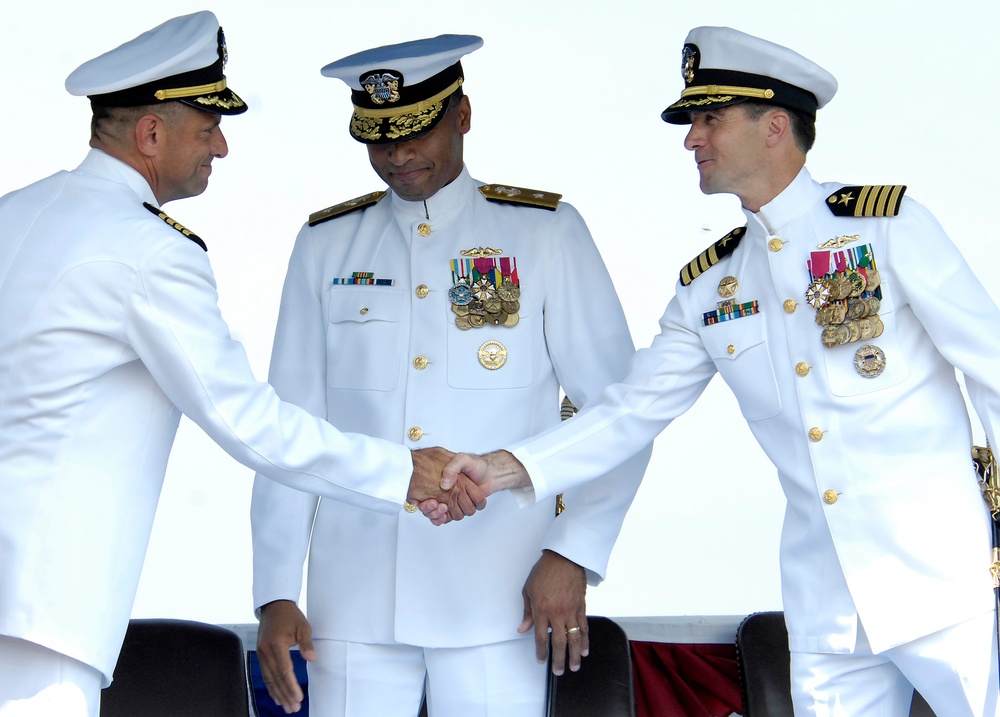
<point>572,630</point>
<point>409,507</point>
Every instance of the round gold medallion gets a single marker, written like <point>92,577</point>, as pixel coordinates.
<point>492,355</point>
<point>728,287</point>
<point>869,360</point>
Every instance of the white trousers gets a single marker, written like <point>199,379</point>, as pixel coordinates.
<point>350,679</point>
<point>38,682</point>
<point>955,670</point>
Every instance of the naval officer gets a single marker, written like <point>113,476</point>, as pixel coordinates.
<point>837,315</point>
<point>112,329</point>
<point>441,310</point>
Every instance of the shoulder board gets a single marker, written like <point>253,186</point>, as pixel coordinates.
<point>176,225</point>
<point>712,256</point>
<point>520,195</point>
<point>870,200</point>
<point>344,207</point>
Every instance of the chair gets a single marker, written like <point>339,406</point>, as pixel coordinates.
<point>603,687</point>
<point>765,682</point>
<point>178,667</point>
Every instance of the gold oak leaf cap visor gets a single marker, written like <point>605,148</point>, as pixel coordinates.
<point>400,92</point>
<point>182,60</point>
<point>721,66</point>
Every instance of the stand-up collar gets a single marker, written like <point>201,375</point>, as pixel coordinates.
<point>448,200</point>
<point>101,164</point>
<point>796,199</point>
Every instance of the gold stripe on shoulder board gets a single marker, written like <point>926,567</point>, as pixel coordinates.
<point>870,200</point>
<point>712,256</point>
<point>159,213</point>
<point>345,207</point>
<point>520,195</point>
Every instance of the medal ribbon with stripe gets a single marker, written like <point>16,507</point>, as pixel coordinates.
<point>485,290</point>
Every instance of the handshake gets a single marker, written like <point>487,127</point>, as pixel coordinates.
<point>448,486</point>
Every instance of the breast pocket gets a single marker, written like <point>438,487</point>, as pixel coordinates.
<point>739,350</point>
<point>364,337</point>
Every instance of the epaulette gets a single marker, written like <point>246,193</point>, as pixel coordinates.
<point>712,256</point>
<point>176,225</point>
<point>871,200</point>
<point>344,207</point>
<point>520,195</point>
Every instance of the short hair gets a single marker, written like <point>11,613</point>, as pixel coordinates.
<point>112,121</point>
<point>803,123</point>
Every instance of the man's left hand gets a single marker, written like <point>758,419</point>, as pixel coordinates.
<point>555,598</point>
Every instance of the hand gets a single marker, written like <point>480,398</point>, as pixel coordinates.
<point>555,599</point>
<point>461,498</point>
<point>492,472</point>
<point>282,625</point>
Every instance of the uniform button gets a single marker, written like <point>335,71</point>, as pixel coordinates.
<point>775,244</point>
<point>424,229</point>
<point>731,349</point>
<point>364,311</point>
<point>790,306</point>
<point>422,291</point>
<point>415,433</point>
<point>815,434</point>
<point>420,363</point>
<point>802,368</point>
<point>830,497</point>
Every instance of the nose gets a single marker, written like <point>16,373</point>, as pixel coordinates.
<point>694,139</point>
<point>220,147</point>
<point>399,153</point>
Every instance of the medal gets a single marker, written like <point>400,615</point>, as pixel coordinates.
<point>492,355</point>
<point>869,360</point>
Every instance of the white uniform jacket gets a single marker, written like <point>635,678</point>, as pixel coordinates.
<point>884,521</point>
<point>389,360</point>
<point>110,329</point>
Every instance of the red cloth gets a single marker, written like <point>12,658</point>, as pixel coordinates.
<point>676,680</point>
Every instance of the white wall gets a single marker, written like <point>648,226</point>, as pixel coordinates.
<point>566,97</point>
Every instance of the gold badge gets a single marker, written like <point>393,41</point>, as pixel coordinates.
<point>728,287</point>
<point>870,361</point>
<point>492,355</point>
<point>383,87</point>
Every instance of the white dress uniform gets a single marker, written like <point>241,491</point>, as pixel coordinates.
<point>111,330</point>
<point>884,521</point>
<point>389,360</point>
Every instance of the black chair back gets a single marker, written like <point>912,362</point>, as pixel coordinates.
<point>762,652</point>
<point>178,667</point>
<point>604,686</point>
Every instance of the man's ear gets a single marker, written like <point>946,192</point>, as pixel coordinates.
<point>149,131</point>
<point>464,114</point>
<point>779,127</point>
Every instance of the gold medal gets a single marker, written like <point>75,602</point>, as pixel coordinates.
<point>492,306</point>
<point>512,320</point>
<point>831,336</point>
<point>867,328</point>
<point>477,320</point>
<point>508,291</point>
<point>879,328</point>
<point>511,307</point>
<point>460,310</point>
<point>463,323</point>
<point>854,329</point>
<point>728,287</point>
<point>492,355</point>
<point>874,280</point>
<point>497,319</point>
<point>869,360</point>
<point>856,309</point>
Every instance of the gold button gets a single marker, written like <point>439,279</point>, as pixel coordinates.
<point>415,433</point>
<point>364,311</point>
<point>816,434</point>
<point>422,291</point>
<point>830,497</point>
<point>790,306</point>
<point>424,229</point>
<point>802,368</point>
<point>731,349</point>
<point>775,244</point>
<point>420,363</point>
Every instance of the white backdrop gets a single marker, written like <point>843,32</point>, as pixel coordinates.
<point>566,97</point>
